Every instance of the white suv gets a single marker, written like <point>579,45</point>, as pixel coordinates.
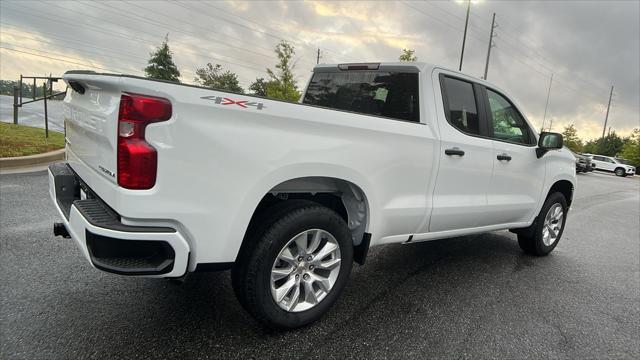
<point>607,163</point>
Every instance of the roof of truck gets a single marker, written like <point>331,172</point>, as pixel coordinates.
<point>391,66</point>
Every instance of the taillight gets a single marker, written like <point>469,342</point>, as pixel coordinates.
<point>137,159</point>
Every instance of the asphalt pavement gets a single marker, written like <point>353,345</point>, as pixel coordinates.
<point>468,297</point>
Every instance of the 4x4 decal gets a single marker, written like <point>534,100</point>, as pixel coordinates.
<point>226,101</point>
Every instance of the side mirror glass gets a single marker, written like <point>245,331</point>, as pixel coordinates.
<point>548,141</point>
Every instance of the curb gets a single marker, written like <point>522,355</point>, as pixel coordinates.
<point>31,160</point>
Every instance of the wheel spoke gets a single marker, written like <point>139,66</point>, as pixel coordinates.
<point>315,242</point>
<point>323,283</point>
<point>327,249</point>
<point>287,255</point>
<point>283,290</point>
<point>295,297</point>
<point>280,273</point>
<point>301,243</point>
<point>310,293</point>
<point>552,232</point>
<point>329,264</point>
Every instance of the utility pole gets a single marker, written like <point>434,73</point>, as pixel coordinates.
<point>464,37</point>
<point>318,57</point>
<point>493,26</point>
<point>547,105</point>
<point>606,117</point>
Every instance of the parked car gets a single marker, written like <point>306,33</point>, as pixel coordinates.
<point>610,164</point>
<point>163,179</point>
<point>583,163</point>
<point>626,162</point>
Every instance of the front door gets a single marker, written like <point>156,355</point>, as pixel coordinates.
<point>466,156</point>
<point>518,174</point>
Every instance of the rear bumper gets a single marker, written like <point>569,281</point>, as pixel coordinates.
<point>106,242</point>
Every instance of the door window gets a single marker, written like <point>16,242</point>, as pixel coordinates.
<point>460,105</point>
<point>508,124</point>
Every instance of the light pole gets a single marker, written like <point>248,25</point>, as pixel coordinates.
<point>464,37</point>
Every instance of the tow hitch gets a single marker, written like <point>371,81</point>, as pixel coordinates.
<point>60,230</point>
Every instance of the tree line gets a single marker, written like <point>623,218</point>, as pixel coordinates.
<point>6,88</point>
<point>280,82</point>
<point>611,145</point>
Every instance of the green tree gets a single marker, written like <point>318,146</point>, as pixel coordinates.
<point>610,145</point>
<point>259,87</point>
<point>408,55</point>
<point>631,148</point>
<point>591,146</point>
<point>282,83</point>
<point>571,139</point>
<point>161,65</point>
<point>214,77</point>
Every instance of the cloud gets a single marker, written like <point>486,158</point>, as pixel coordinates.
<point>588,46</point>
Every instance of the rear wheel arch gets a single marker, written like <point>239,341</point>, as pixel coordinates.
<point>342,196</point>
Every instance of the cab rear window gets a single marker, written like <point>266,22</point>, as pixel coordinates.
<point>388,94</point>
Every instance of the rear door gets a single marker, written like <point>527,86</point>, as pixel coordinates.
<point>603,163</point>
<point>466,156</point>
<point>518,174</point>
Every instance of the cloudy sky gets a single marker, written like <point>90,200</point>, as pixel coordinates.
<point>587,45</point>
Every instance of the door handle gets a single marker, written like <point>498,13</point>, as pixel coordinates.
<point>504,156</point>
<point>454,151</point>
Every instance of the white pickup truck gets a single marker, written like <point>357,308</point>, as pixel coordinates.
<point>164,179</point>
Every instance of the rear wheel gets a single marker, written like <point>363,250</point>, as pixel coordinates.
<point>296,266</point>
<point>620,172</point>
<point>546,232</point>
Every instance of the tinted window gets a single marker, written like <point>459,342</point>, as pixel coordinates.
<point>388,94</point>
<point>507,122</point>
<point>598,158</point>
<point>460,105</point>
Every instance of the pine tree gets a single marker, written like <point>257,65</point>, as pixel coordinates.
<point>161,65</point>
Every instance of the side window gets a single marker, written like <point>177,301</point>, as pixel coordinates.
<point>597,158</point>
<point>460,106</point>
<point>507,122</point>
<point>389,94</point>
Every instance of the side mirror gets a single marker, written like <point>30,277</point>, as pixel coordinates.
<point>548,141</point>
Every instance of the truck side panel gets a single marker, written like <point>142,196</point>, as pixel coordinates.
<point>218,158</point>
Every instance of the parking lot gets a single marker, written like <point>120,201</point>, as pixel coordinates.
<point>468,297</point>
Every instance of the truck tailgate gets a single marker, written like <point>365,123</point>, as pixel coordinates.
<point>91,125</point>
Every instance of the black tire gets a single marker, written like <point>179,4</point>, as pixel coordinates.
<point>531,241</point>
<point>251,274</point>
<point>620,172</point>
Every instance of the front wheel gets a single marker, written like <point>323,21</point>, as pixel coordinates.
<point>620,172</point>
<point>296,267</point>
<point>548,228</point>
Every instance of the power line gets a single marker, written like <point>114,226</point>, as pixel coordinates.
<point>271,34</point>
<point>110,33</point>
<point>521,42</point>
<point>58,59</point>
<point>138,30</point>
